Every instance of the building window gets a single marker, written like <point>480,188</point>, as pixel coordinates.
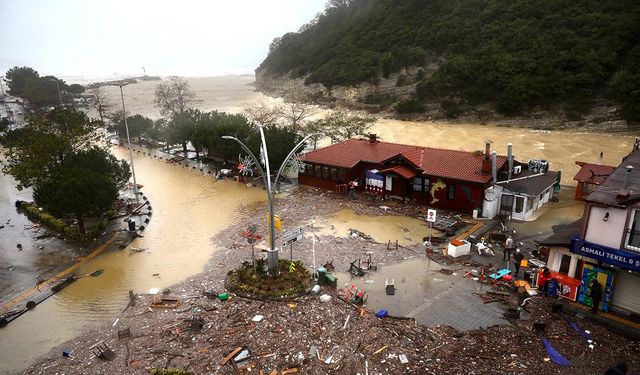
<point>325,173</point>
<point>318,171</point>
<point>308,169</point>
<point>519,204</point>
<point>529,204</point>
<point>451,192</point>
<point>334,174</point>
<point>633,232</point>
<point>417,184</point>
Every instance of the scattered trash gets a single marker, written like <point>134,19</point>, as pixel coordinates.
<point>315,289</point>
<point>101,350</point>
<point>382,313</point>
<point>390,288</point>
<point>66,353</point>
<point>223,296</point>
<point>154,291</point>
<point>124,333</point>
<point>165,302</point>
<point>257,318</point>
<point>403,358</point>
<point>325,298</point>
<point>346,322</point>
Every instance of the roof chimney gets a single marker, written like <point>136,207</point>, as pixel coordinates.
<point>486,159</point>
<point>373,138</point>
<point>626,177</point>
<point>494,169</point>
<point>510,158</point>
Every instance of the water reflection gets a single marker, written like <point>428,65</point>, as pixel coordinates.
<point>407,230</point>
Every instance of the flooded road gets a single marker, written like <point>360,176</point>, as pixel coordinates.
<point>188,210</point>
<point>407,230</point>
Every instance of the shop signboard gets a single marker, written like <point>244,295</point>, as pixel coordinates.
<point>615,257</point>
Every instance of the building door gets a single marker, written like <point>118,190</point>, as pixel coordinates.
<point>626,294</point>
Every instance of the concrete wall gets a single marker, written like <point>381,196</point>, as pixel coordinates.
<point>608,233</point>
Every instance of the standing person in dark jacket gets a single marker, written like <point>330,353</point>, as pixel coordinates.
<point>517,258</point>
<point>596,294</point>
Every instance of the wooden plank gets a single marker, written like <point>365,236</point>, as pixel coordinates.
<point>230,355</point>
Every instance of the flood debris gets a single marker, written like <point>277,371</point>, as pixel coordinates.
<point>338,336</point>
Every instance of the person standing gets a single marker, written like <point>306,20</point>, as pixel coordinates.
<point>517,258</point>
<point>508,248</point>
<point>595,294</point>
<point>352,190</point>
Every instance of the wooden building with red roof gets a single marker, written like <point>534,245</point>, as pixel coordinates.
<point>445,179</point>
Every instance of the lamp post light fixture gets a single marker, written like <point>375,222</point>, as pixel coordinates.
<point>272,252</point>
<point>126,126</point>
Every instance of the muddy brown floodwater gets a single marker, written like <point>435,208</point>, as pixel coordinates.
<point>561,148</point>
<point>188,210</point>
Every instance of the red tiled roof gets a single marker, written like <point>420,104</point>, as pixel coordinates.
<point>350,152</point>
<point>401,171</point>
<point>593,173</point>
<point>458,165</point>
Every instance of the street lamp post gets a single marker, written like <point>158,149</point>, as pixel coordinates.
<point>126,126</point>
<point>272,251</point>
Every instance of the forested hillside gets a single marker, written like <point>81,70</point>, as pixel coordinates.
<point>514,54</point>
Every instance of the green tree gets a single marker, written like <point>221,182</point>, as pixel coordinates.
<point>138,125</point>
<point>181,126</point>
<point>625,86</point>
<point>75,89</point>
<point>85,184</point>
<point>280,141</point>
<point>18,78</point>
<point>34,150</point>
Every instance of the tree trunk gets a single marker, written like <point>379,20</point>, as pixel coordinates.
<point>184,148</point>
<point>197,153</point>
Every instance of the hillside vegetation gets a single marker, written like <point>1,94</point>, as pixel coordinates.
<point>514,54</point>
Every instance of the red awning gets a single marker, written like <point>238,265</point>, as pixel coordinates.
<point>401,171</point>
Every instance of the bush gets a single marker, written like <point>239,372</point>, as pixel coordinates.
<point>409,106</point>
<point>70,232</point>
